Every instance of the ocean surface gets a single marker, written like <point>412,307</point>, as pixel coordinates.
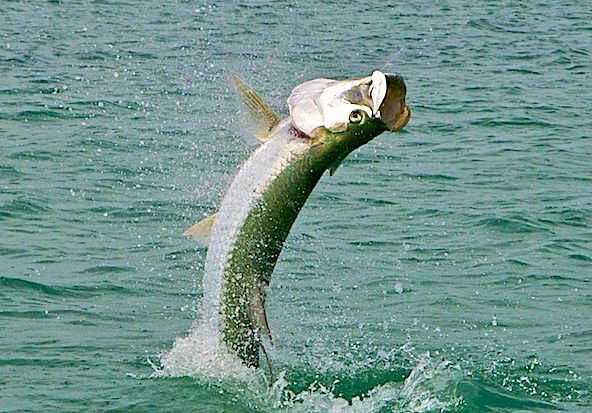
<point>445,268</point>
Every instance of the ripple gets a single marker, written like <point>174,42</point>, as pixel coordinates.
<point>514,225</point>
<point>435,177</point>
<point>519,262</point>
<point>106,269</point>
<point>477,396</point>
<point>61,314</point>
<point>486,25</point>
<point>7,171</point>
<point>37,155</point>
<point>580,257</point>
<point>22,208</point>
<point>523,71</point>
<point>41,362</point>
<point>18,284</point>
<point>38,115</point>
<point>519,122</point>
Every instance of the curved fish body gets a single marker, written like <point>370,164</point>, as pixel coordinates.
<point>328,119</point>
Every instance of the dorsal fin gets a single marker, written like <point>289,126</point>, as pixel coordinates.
<point>263,117</point>
<point>202,231</point>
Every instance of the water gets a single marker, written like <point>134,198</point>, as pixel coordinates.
<point>444,268</point>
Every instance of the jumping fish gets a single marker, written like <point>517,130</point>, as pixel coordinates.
<point>328,120</point>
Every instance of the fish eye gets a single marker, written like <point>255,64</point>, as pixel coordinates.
<point>357,116</point>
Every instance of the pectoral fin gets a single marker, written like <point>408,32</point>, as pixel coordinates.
<point>335,165</point>
<point>202,231</point>
<point>263,117</point>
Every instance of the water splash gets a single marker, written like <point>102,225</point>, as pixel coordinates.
<point>200,354</point>
<point>430,386</point>
<point>427,383</point>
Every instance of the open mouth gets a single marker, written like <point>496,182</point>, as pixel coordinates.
<point>329,103</point>
<point>394,112</point>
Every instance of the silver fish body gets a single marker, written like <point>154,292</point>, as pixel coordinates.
<point>329,119</point>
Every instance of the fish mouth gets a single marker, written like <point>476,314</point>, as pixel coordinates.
<point>328,104</point>
<point>394,111</point>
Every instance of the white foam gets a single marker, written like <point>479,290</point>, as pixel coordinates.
<point>200,355</point>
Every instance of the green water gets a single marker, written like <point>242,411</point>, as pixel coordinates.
<point>444,268</point>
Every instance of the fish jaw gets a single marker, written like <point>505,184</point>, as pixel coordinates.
<point>393,110</point>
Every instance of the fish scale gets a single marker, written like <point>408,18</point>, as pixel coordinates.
<point>265,197</point>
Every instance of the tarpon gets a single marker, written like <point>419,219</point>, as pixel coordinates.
<point>328,120</point>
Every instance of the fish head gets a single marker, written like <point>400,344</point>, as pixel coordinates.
<point>349,113</point>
